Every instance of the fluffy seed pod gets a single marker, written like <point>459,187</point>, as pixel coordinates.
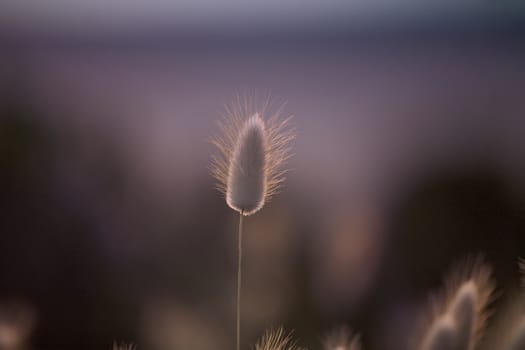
<point>277,340</point>
<point>246,185</point>
<point>253,150</point>
<point>463,306</point>
<point>341,339</point>
<point>442,335</point>
<point>463,310</point>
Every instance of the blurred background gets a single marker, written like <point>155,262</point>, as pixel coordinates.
<point>410,155</point>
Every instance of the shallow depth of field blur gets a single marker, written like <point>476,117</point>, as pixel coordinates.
<point>410,154</point>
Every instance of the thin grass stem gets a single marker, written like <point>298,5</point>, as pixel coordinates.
<point>239,280</point>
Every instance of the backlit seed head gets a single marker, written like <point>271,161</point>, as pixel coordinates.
<point>341,339</point>
<point>253,151</point>
<point>277,340</point>
<point>442,335</point>
<point>462,307</point>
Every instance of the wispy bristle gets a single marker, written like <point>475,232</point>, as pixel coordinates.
<point>252,153</point>
<point>468,292</point>
<point>508,328</point>
<point>341,339</point>
<point>124,346</point>
<point>277,340</point>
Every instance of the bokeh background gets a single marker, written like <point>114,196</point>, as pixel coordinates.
<point>410,155</point>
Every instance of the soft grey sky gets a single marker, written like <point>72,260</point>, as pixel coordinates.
<point>101,15</point>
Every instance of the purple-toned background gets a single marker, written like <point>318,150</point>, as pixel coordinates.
<point>410,155</point>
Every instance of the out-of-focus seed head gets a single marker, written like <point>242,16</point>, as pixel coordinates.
<point>341,339</point>
<point>124,346</point>
<point>277,340</point>
<point>463,305</point>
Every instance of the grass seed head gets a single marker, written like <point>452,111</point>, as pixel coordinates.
<point>469,290</point>
<point>441,335</point>
<point>277,340</point>
<point>341,339</point>
<point>252,154</point>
